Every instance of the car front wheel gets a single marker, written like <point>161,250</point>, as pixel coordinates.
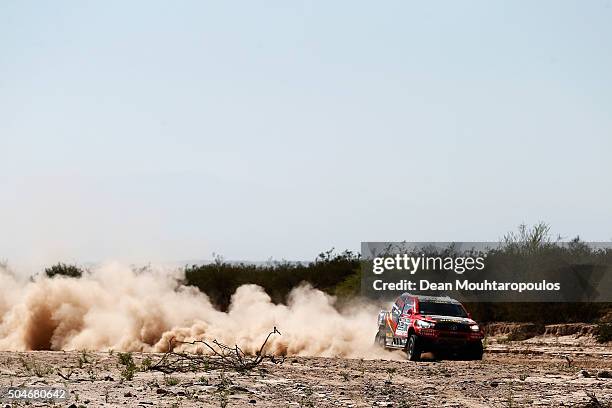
<point>476,351</point>
<point>413,348</point>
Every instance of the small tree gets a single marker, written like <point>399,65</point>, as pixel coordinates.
<point>529,239</point>
<point>62,269</point>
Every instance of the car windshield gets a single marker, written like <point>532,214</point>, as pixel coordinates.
<point>441,309</point>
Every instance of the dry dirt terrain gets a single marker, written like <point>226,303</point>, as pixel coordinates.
<point>547,371</point>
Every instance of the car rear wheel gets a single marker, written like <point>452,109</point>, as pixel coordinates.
<point>379,340</point>
<point>413,348</point>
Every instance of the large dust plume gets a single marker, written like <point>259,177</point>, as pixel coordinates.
<point>115,307</point>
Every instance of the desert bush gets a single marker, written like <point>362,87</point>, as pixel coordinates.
<point>126,360</point>
<point>534,248</point>
<point>146,363</point>
<point>61,269</point>
<point>32,366</point>
<point>604,332</point>
<point>170,381</point>
<point>537,312</point>
<point>339,274</point>
<point>219,280</point>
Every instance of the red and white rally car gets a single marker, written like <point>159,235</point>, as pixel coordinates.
<point>419,324</point>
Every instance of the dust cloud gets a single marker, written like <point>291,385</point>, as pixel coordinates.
<point>115,307</point>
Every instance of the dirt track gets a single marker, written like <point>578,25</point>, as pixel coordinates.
<point>529,373</point>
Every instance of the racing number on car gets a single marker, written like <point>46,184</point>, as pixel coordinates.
<point>402,328</point>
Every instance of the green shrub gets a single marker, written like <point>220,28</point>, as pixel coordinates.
<point>339,274</point>
<point>171,381</point>
<point>349,287</point>
<point>125,359</point>
<point>220,279</point>
<point>146,363</point>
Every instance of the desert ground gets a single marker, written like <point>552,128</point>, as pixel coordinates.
<point>547,371</point>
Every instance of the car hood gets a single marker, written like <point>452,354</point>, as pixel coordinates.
<point>436,318</point>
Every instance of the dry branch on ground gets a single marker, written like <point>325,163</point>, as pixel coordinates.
<point>219,356</point>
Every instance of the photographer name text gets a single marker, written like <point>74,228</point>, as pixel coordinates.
<point>465,285</point>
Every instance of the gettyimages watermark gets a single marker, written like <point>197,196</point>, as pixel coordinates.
<point>489,271</point>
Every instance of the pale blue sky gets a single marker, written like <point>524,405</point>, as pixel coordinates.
<point>161,131</point>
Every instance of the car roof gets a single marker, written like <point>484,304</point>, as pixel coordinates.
<point>424,298</point>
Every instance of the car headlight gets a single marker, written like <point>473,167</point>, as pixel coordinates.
<point>475,327</point>
<point>424,325</point>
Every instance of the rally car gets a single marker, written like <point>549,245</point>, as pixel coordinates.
<point>418,324</point>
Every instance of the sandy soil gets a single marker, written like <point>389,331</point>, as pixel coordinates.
<point>543,371</point>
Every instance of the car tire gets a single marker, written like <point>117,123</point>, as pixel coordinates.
<point>479,351</point>
<point>379,340</point>
<point>474,351</point>
<point>413,348</point>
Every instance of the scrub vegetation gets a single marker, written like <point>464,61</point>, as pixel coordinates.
<point>339,274</point>
<point>331,272</point>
